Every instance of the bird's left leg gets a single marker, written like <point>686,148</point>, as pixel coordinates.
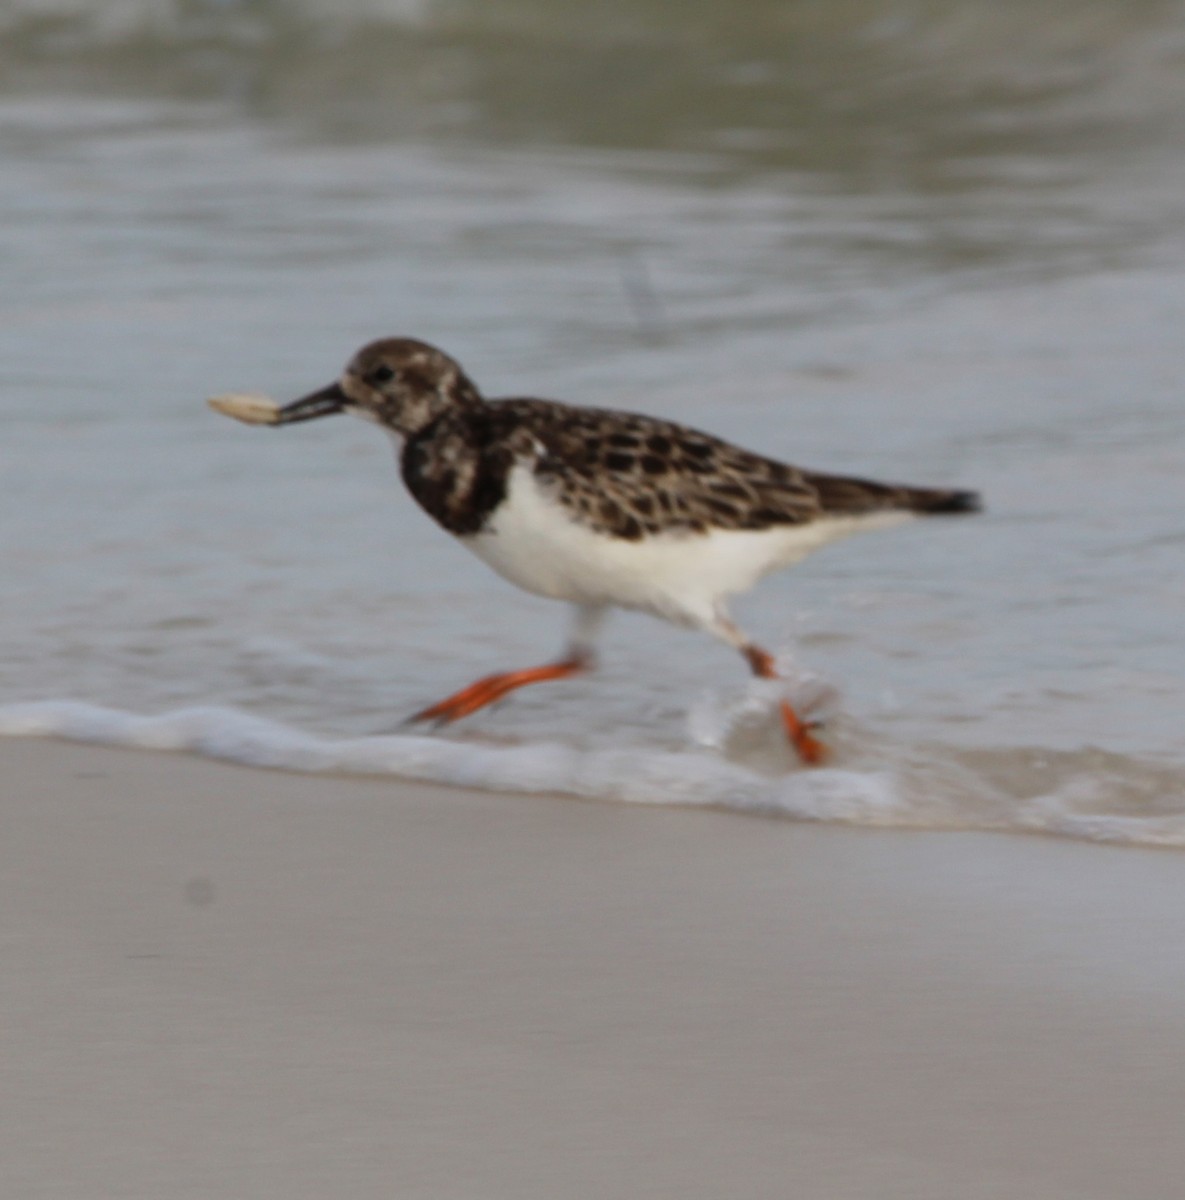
<point>761,662</point>
<point>577,658</point>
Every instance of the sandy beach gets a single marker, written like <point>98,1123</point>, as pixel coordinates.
<point>230,982</point>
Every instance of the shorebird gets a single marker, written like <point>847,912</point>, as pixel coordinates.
<point>598,508</point>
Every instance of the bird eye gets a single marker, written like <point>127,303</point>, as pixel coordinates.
<point>383,374</point>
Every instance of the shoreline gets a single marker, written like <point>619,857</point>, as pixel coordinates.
<point>237,982</point>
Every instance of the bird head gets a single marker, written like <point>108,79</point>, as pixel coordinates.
<point>399,383</point>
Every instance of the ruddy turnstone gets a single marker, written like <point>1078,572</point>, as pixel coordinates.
<point>595,507</point>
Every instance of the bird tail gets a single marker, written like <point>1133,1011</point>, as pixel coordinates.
<point>943,501</point>
<point>841,496</point>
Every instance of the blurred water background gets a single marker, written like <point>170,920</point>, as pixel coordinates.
<point>931,241</point>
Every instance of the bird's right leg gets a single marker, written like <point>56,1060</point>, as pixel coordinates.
<point>761,662</point>
<point>578,658</point>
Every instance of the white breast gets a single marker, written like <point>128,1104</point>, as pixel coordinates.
<point>534,543</point>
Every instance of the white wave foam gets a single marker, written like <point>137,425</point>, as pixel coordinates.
<point>633,775</point>
<point>933,794</point>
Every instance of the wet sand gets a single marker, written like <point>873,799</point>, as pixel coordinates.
<point>227,982</point>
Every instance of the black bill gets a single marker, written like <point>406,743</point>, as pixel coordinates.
<point>327,401</point>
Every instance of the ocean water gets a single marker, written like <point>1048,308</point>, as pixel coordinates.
<point>866,237</point>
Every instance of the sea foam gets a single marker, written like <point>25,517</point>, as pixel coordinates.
<point>1119,801</point>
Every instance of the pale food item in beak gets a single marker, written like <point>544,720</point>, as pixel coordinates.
<point>249,407</point>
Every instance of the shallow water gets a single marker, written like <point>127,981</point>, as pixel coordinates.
<point>878,240</point>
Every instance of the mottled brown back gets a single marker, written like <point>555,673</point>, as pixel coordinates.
<point>631,475</point>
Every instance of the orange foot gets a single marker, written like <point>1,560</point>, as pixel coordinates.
<point>810,749</point>
<point>494,687</point>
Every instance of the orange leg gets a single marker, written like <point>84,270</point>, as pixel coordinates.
<point>494,687</point>
<point>810,749</point>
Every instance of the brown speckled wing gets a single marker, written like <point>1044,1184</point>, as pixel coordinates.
<point>631,475</point>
